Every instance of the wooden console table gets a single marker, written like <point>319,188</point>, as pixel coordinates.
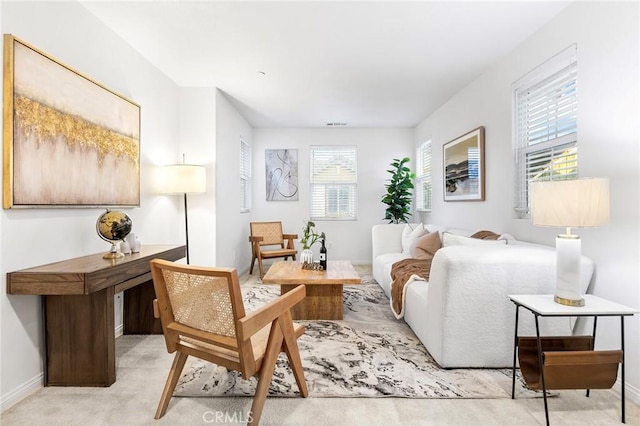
<point>78,302</point>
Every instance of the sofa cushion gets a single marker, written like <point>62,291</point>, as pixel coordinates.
<point>403,273</point>
<point>415,309</point>
<point>410,235</point>
<point>382,269</point>
<point>449,239</point>
<point>427,245</point>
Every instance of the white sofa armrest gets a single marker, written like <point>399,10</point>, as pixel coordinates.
<point>469,316</point>
<point>386,238</point>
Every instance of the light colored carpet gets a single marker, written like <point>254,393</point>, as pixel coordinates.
<point>368,354</point>
<point>143,365</point>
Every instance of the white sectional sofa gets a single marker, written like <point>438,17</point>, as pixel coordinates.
<point>463,315</point>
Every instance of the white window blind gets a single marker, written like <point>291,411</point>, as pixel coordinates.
<point>245,177</point>
<point>545,125</point>
<point>423,177</point>
<point>334,179</point>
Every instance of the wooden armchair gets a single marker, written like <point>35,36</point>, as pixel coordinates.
<point>202,315</point>
<point>264,236</point>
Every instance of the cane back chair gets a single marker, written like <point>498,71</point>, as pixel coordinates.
<point>264,237</point>
<point>202,315</point>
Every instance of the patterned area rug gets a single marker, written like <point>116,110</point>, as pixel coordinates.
<point>368,354</point>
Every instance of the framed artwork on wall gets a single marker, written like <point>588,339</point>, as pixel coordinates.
<point>281,174</point>
<point>68,141</point>
<point>464,167</point>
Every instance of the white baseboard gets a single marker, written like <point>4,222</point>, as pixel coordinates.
<point>30,386</point>
<point>631,392</point>
<point>21,392</point>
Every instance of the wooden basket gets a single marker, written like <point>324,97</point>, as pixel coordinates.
<point>569,363</point>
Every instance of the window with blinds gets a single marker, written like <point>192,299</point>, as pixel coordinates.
<point>334,180</point>
<point>245,177</point>
<point>545,125</point>
<point>423,177</point>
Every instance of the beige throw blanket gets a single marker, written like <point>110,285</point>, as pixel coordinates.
<point>404,272</point>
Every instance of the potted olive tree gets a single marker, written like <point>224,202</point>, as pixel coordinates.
<point>398,197</point>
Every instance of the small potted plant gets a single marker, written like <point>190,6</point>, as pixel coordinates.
<point>309,238</point>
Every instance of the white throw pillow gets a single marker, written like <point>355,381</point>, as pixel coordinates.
<point>450,239</point>
<point>410,235</point>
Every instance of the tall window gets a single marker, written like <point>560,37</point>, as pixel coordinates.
<point>245,177</point>
<point>423,177</point>
<point>545,125</point>
<point>334,179</point>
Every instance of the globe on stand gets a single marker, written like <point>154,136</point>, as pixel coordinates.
<point>113,226</point>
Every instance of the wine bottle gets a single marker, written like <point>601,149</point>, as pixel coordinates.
<point>323,256</point>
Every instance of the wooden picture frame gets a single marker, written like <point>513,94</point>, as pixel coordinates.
<point>68,141</point>
<point>463,168</point>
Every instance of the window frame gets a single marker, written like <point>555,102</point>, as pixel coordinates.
<point>320,186</point>
<point>245,177</point>
<point>424,180</point>
<point>545,126</point>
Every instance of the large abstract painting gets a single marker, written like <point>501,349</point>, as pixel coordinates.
<point>68,141</point>
<point>464,167</point>
<point>281,168</point>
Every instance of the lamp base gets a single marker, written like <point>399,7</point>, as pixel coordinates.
<point>568,302</point>
<point>568,291</point>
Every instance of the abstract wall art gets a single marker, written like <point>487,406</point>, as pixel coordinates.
<point>464,167</point>
<point>68,140</point>
<point>281,174</point>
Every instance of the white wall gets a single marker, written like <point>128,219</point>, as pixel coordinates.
<point>607,38</point>
<point>33,237</point>
<point>376,149</point>
<point>232,242</point>
<point>198,144</point>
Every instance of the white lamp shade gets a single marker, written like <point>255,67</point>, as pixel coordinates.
<point>183,179</point>
<point>574,203</point>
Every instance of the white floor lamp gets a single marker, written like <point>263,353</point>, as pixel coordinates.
<point>184,179</point>
<point>578,203</point>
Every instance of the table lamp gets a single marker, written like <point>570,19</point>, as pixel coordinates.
<point>184,179</point>
<point>577,203</point>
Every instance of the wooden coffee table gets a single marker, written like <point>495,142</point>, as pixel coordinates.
<point>324,288</point>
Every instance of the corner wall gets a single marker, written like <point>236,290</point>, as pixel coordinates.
<point>30,237</point>
<point>607,37</point>
<point>232,242</point>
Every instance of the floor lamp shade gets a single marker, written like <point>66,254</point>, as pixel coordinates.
<point>184,179</point>
<point>578,203</point>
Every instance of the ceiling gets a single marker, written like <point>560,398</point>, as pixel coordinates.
<point>306,64</point>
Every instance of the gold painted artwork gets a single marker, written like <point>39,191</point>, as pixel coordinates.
<point>68,140</point>
<point>48,124</point>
